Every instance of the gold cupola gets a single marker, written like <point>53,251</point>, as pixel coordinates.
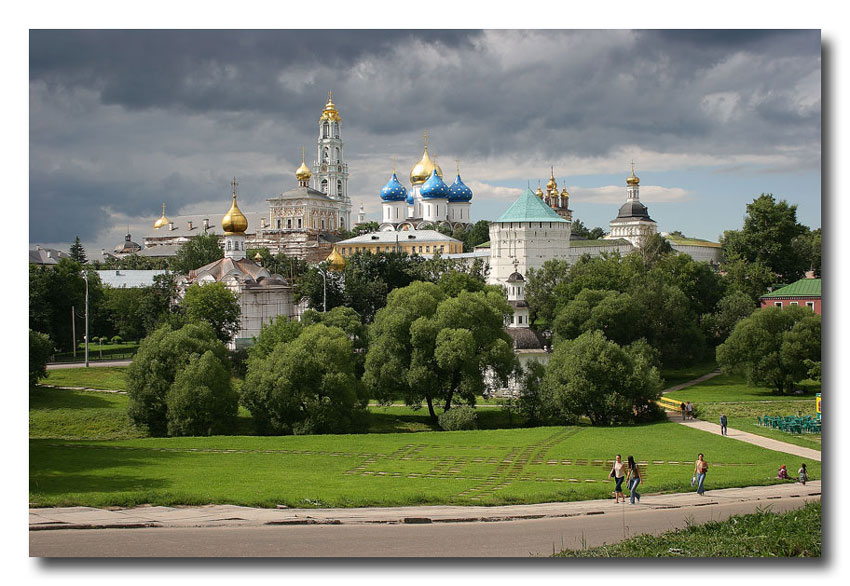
<point>302,173</point>
<point>330,112</point>
<point>539,191</point>
<point>163,221</point>
<point>422,170</point>
<point>633,179</point>
<point>234,221</point>
<point>552,184</point>
<point>336,260</point>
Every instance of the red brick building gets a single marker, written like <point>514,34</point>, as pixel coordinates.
<point>805,293</point>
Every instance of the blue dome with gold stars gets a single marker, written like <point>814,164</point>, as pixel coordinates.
<point>435,187</point>
<point>459,192</point>
<point>393,190</point>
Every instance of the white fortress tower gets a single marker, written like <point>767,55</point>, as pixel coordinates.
<point>529,233</point>
<point>330,171</point>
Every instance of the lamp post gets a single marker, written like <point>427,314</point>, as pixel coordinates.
<point>86,275</point>
<point>324,290</point>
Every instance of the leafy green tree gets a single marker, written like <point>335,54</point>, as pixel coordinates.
<point>199,251</point>
<point>289,267</point>
<point>281,329</point>
<point>478,234</point>
<point>133,262</point>
<point>772,346</point>
<point>41,347</point>
<point>215,304</point>
<point>702,285</point>
<point>453,282</point>
<point>767,237</point>
<point>751,278</point>
<point>428,347</point>
<point>540,288</point>
<point>808,246</point>
<point>579,229</point>
<point>161,356</point>
<point>613,313</point>
<point>531,401</point>
<point>652,247</point>
<point>458,419</point>
<point>78,253</point>
<point>306,386</point>
<point>595,378</point>
<point>734,307</point>
<point>201,400</point>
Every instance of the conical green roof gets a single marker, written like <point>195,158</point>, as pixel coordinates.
<point>530,208</point>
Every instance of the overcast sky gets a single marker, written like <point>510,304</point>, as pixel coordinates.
<point>121,121</point>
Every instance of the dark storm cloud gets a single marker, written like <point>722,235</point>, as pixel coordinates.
<point>123,120</point>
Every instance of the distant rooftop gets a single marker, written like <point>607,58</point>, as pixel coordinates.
<point>530,208</point>
<point>802,288</point>
<point>122,278</point>
<point>391,237</point>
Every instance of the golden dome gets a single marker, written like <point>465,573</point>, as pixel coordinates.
<point>632,179</point>
<point>422,170</point>
<point>163,221</point>
<point>330,112</point>
<point>336,260</point>
<point>539,191</point>
<point>564,192</point>
<point>234,221</point>
<point>552,184</point>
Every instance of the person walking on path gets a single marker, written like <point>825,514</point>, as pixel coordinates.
<point>618,476</point>
<point>690,409</point>
<point>700,469</point>
<point>723,421</point>
<point>802,475</point>
<point>683,407</point>
<point>633,480</point>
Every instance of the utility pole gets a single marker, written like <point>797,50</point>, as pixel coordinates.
<point>73,333</point>
<point>87,317</point>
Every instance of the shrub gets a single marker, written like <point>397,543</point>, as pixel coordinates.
<point>201,400</point>
<point>458,419</point>
<point>155,367</point>
<point>41,347</point>
<point>116,340</point>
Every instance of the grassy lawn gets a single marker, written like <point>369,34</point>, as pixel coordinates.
<point>101,377</point>
<point>73,463</point>
<point>743,404</point>
<point>762,534</point>
<point>676,376</point>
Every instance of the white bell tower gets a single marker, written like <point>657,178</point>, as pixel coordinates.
<point>330,171</point>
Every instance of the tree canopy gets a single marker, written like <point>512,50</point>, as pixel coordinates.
<point>197,252</point>
<point>773,346</point>
<point>215,304</point>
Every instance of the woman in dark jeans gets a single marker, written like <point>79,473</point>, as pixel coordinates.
<point>618,476</point>
<point>633,480</point>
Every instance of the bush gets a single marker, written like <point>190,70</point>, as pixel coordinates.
<point>458,419</point>
<point>161,356</point>
<point>41,347</point>
<point>116,340</point>
<point>201,400</point>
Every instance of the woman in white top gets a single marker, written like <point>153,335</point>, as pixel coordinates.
<point>618,476</point>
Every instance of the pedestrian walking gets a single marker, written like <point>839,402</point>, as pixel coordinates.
<point>684,408</point>
<point>802,475</point>
<point>690,409</point>
<point>633,480</point>
<point>617,473</point>
<point>700,469</point>
<point>723,422</point>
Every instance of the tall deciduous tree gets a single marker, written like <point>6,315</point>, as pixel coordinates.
<point>595,378</point>
<point>306,386</point>
<point>161,356</point>
<point>770,228</point>
<point>773,346</point>
<point>542,286</point>
<point>615,314</point>
<point>215,304</point>
<point>41,347</point>
<point>199,251</point>
<point>201,400</point>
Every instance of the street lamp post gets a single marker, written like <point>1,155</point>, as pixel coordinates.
<point>324,291</point>
<point>86,275</point>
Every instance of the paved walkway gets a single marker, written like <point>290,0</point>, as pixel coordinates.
<point>92,363</point>
<point>691,383</point>
<point>235,516</point>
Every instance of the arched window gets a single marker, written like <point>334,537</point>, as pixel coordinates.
<point>339,187</point>
<point>325,186</point>
<point>325,155</point>
<point>325,130</point>
<point>228,245</point>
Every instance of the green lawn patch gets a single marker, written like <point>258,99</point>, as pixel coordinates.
<point>56,413</point>
<point>677,376</point>
<point>99,377</point>
<point>733,387</point>
<point>762,534</point>
<point>486,467</point>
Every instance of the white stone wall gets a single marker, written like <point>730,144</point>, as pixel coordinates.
<point>262,305</point>
<point>532,243</point>
<point>700,253</point>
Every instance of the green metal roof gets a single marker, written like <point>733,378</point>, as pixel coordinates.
<point>802,288</point>
<point>530,208</point>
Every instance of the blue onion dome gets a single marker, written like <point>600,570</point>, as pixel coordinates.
<point>435,187</point>
<point>393,190</point>
<point>459,192</point>
<point>410,201</point>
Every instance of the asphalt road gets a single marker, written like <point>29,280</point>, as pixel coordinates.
<point>61,365</point>
<point>538,537</point>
